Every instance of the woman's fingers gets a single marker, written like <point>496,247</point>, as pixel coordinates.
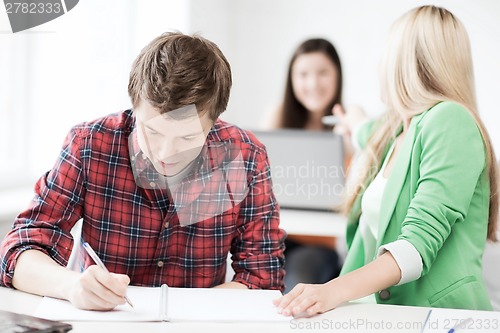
<point>306,300</point>
<point>338,111</point>
<point>342,128</point>
<point>299,306</point>
<point>283,302</point>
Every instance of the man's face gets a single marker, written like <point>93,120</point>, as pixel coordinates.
<point>171,140</point>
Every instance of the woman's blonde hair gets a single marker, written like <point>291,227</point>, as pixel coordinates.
<point>427,60</point>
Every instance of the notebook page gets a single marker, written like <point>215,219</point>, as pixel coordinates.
<point>222,305</point>
<point>146,308</point>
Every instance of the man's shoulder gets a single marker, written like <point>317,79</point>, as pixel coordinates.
<point>225,132</point>
<point>112,123</point>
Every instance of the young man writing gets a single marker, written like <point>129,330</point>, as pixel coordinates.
<point>165,190</point>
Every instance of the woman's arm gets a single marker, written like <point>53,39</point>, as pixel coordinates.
<point>310,299</point>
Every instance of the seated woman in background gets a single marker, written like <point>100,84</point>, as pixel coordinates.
<point>313,87</point>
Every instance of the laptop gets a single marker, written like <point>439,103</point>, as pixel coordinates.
<point>307,168</point>
<point>20,323</point>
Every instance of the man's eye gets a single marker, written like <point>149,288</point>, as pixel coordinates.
<point>152,131</point>
<point>189,137</point>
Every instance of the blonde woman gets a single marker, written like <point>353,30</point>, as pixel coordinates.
<point>426,202</point>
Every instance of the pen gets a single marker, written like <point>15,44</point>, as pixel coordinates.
<point>330,120</point>
<point>461,324</point>
<point>99,263</point>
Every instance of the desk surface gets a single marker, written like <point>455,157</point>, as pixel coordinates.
<point>352,317</point>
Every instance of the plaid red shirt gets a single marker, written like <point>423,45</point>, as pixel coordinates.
<point>135,229</point>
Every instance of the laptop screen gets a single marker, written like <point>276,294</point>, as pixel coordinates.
<point>307,167</point>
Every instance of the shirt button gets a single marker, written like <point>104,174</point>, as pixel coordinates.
<point>152,184</point>
<point>384,294</point>
<point>160,264</point>
<point>144,156</point>
<point>167,224</point>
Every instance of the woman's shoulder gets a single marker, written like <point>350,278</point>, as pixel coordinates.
<point>449,123</point>
<point>447,111</point>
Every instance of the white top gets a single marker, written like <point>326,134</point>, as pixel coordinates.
<point>405,254</point>
<point>370,208</point>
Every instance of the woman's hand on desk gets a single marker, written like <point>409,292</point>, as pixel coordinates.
<point>310,299</point>
<point>96,289</point>
<point>306,300</point>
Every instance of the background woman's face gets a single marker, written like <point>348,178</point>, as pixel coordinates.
<point>314,80</point>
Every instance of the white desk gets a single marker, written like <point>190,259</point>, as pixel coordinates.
<point>353,317</point>
<point>312,223</point>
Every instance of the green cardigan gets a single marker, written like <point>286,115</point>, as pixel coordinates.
<point>437,198</point>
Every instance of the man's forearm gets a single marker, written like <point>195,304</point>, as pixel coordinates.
<point>37,273</point>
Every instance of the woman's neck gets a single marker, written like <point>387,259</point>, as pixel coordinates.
<point>406,123</point>
<point>314,121</point>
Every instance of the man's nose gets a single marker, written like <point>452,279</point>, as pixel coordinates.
<point>168,149</point>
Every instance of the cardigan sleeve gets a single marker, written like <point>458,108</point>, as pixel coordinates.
<point>452,160</point>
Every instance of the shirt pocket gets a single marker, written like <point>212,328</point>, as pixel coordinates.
<point>456,295</point>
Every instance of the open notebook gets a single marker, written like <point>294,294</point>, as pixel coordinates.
<point>176,304</point>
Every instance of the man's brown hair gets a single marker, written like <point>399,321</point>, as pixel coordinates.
<point>175,70</point>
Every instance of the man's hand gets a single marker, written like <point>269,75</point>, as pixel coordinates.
<point>96,289</point>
